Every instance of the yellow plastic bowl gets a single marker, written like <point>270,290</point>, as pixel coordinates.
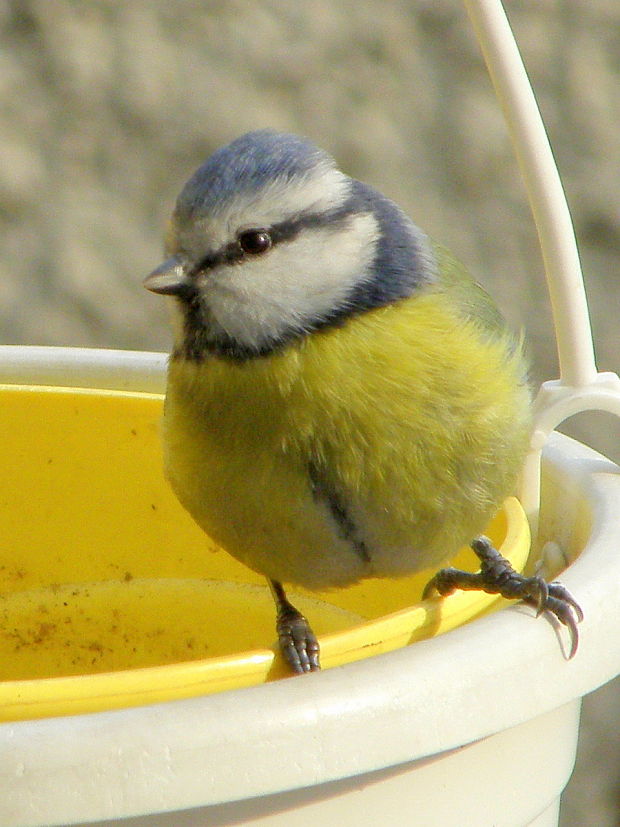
<point>110,596</point>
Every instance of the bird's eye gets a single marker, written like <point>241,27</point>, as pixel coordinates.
<point>254,242</point>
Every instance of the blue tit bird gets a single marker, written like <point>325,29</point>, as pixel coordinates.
<point>343,400</point>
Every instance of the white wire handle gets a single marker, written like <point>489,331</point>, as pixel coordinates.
<point>580,387</point>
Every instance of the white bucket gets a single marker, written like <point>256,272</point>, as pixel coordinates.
<point>476,727</point>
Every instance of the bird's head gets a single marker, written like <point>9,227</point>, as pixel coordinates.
<point>269,241</point>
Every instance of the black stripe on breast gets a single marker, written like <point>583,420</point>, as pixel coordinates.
<point>347,530</point>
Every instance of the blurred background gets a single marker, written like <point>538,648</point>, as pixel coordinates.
<point>106,108</point>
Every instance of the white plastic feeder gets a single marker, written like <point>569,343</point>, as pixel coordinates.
<point>476,727</point>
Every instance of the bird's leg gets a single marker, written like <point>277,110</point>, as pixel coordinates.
<point>496,576</point>
<point>297,640</point>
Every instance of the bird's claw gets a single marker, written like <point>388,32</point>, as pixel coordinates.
<point>496,576</point>
<point>560,603</point>
<point>298,642</point>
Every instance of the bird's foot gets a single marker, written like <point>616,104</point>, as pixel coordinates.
<point>298,642</point>
<point>496,576</point>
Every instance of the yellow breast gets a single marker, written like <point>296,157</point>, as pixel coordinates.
<point>416,418</point>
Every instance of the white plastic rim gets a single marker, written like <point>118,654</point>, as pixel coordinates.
<point>125,370</point>
<point>494,674</point>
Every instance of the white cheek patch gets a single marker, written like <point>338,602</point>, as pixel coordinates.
<point>295,285</point>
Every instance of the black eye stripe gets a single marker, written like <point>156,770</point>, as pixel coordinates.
<point>232,252</point>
